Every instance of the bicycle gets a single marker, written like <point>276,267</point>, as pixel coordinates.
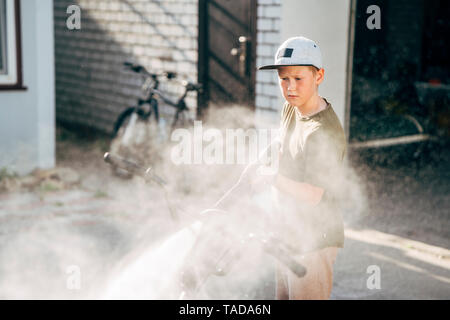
<point>135,134</point>
<point>215,240</point>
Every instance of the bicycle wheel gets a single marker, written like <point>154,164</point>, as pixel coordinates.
<point>134,139</point>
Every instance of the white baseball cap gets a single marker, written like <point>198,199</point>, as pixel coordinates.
<point>297,51</point>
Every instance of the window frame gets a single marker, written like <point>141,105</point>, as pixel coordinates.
<point>14,47</point>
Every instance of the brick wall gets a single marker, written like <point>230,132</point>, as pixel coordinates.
<point>268,39</point>
<point>92,86</point>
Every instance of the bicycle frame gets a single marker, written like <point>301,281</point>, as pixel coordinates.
<point>154,94</point>
<point>179,105</point>
<point>125,138</point>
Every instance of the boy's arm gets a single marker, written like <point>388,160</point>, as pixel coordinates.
<point>249,178</point>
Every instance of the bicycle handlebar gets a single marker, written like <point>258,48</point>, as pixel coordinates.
<point>194,87</point>
<point>135,67</point>
<point>190,86</point>
<point>141,69</point>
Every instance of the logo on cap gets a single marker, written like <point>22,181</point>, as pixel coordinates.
<point>285,53</point>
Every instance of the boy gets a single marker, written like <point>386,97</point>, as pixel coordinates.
<point>310,167</point>
<point>313,145</point>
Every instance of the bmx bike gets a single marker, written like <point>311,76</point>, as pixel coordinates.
<point>139,130</point>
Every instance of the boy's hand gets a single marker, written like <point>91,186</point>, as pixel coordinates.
<point>252,180</point>
<point>262,169</point>
<point>257,176</point>
<point>264,176</point>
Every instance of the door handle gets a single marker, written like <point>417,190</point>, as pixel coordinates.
<point>241,52</point>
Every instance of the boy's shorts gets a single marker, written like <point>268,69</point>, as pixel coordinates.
<point>306,228</point>
<point>316,284</point>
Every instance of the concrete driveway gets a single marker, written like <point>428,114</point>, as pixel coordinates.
<point>65,243</point>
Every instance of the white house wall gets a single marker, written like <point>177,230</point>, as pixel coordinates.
<point>27,116</point>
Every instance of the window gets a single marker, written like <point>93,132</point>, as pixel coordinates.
<point>10,45</point>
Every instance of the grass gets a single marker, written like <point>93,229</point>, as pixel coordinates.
<point>5,173</point>
<point>100,194</point>
<point>48,187</point>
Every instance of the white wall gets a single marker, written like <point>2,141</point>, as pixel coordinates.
<point>27,117</point>
<point>327,23</point>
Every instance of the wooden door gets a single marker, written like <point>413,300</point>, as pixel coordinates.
<point>227,41</point>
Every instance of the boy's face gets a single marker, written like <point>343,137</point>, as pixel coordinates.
<point>299,83</point>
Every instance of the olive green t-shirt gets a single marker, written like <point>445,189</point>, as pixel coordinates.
<point>312,152</point>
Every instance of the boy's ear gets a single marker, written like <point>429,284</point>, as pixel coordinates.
<point>320,74</point>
